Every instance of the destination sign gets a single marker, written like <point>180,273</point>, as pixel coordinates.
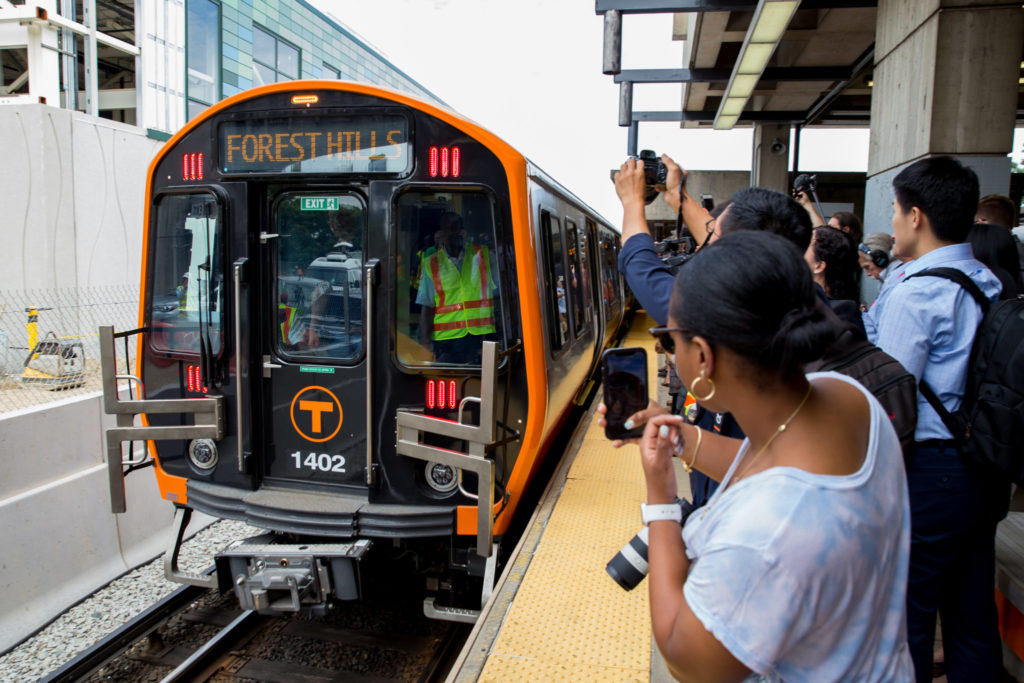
<point>330,144</point>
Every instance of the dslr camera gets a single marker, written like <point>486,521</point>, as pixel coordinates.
<point>674,252</point>
<point>805,183</point>
<point>655,173</point>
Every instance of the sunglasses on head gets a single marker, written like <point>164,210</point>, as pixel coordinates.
<point>664,338</point>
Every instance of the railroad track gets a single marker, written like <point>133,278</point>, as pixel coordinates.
<point>209,638</point>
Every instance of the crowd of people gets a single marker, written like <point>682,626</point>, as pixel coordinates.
<point>817,546</point>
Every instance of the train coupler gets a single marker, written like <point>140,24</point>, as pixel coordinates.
<point>274,578</point>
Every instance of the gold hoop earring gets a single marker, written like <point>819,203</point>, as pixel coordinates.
<point>693,385</point>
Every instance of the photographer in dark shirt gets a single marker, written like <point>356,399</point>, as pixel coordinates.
<point>651,280</point>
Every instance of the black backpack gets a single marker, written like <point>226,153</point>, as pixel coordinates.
<point>989,424</point>
<point>881,374</point>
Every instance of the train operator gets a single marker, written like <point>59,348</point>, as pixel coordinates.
<point>456,293</point>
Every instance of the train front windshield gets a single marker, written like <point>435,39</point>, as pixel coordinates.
<point>448,291</point>
<point>188,282</point>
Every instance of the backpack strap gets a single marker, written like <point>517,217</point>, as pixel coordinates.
<point>947,418</point>
<point>962,279</point>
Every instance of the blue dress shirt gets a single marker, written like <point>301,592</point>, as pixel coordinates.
<point>928,325</point>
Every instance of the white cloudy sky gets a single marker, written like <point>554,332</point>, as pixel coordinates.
<point>530,71</point>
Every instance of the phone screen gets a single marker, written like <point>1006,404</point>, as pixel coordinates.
<point>625,390</point>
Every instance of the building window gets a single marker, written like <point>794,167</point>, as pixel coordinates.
<point>203,55</point>
<point>273,59</point>
<point>331,73</point>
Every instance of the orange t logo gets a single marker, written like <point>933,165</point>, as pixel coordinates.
<point>317,408</point>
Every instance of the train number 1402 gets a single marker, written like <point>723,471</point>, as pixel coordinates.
<point>320,462</point>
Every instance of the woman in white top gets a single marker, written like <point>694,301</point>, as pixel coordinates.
<point>796,568</point>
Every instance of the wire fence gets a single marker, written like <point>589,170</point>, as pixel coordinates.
<point>49,341</point>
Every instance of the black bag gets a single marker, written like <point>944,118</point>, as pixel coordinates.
<point>881,374</point>
<point>989,424</point>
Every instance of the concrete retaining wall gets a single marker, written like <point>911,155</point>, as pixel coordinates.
<point>60,541</point>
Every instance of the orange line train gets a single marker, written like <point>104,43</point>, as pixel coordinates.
<point>363,320</point>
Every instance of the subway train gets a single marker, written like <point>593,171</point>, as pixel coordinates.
<point>363,321</point>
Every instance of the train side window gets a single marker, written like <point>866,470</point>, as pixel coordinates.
<point>609,275</point>
<point>187,284</point>
<point>556,277</point>
<point>587,267</point>
<point>575,281</point>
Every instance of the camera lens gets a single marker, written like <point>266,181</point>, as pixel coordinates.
<point>629,566</point>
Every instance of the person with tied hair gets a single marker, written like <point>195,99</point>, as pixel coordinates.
<point>796,567</point>
<point>833,263</point>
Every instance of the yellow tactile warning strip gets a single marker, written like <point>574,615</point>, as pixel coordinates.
<point>569,621</point>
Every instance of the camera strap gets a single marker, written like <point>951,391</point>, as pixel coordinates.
<point>682,231</point>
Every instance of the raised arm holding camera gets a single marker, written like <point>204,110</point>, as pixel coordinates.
<point>648,276</point>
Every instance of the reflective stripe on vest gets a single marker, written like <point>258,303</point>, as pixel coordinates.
<point>462,305</point>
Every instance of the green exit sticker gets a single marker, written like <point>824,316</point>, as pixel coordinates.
<point>316,370</point>
<point>319,203</point>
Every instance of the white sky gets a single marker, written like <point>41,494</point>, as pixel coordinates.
<point>530,71</point>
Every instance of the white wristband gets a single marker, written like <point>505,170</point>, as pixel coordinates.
<point>654,513</point>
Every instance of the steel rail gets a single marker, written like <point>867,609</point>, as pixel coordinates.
<point>124,636</point>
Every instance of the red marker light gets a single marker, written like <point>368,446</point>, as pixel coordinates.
<point>456,162</point>
<point>433,162</point>
<point>192,166</point>
<point>430,393</point>
<point>444,161</point>
<point>451,394</point>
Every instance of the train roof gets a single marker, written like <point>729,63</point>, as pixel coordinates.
<point>442,111</point>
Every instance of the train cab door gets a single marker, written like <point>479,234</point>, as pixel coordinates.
<point>312,351</point>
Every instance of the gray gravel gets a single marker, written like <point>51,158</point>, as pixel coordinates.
<point>113,605</point>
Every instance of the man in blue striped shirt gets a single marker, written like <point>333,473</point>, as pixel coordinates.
<point>928,324</point>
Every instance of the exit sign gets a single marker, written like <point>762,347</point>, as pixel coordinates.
<point>319,203</point>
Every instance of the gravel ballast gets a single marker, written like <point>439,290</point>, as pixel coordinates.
<point>113,605</point>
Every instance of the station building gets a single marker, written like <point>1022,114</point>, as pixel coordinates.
<point>73,70</point>
<point>89,91</point>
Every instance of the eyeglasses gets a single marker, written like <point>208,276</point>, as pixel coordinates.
<point>709,225</point>
<point>664,338</point>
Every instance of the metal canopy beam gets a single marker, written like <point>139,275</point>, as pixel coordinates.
<point>708,116</point>
<point>772,73</point>
<point>666,6</point>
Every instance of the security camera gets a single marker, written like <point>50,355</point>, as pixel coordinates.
<point>778,147</point>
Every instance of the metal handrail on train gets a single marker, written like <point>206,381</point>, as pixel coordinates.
<point>480,438</point>
<point>209,418</point>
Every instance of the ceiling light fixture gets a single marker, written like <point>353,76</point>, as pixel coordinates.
<point>766,29</point>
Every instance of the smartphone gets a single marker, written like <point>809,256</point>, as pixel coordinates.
<point>624,375</point>
<point>707,201</point>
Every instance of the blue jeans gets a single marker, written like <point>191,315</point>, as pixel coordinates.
<point>953,517</point>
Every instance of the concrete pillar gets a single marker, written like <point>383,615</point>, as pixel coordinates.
<point>945,82</point>
<point>770,165</point>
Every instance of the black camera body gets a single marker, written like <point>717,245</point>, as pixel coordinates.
<point>805,183</point>
<point>655,174</point>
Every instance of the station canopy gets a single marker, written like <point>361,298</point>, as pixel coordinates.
<point>818,73</point>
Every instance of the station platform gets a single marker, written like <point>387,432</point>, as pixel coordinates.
<point>557,615</point>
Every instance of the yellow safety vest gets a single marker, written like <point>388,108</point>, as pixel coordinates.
<point>462,301</point>
<point>287,320</point>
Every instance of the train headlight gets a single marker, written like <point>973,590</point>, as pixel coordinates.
<point>442,478</point>
<point>203,453</point>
